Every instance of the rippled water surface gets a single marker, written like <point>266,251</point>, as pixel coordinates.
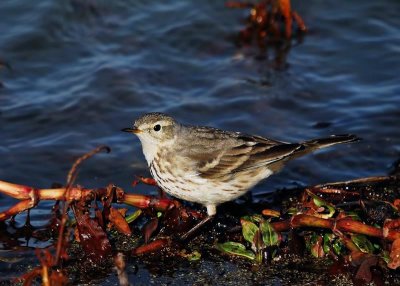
<point>82,70</point>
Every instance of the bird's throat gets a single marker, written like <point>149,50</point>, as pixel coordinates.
<point>149,150</point>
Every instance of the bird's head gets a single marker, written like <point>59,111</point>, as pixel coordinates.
<point>154,130</point>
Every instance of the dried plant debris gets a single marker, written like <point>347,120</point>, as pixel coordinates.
<point>269,19</point>
<point>270,26</point>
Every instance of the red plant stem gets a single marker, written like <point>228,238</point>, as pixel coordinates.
<point>23,205</point>
<point>302,220</point>
<point>393,235</point>
<point>45,276</point>
<point>74,194</point>
<point>349,244</point>
<point>333,191</point>
<point>299,21</point>
<point>270,212</point>
<point>67,194</point>
<point>60,241</point>
<point>151,247</point>
<point>147,181</point>
<point>31,196</point>
<point>286,11</point>
<point>19,192</point>
<point>391,224</point>
<point>281,225</point>
<point>30,276</point>
<point>349,225</point>
<point>22,192</point>
<point>142,201</point>
<point>342,225</point>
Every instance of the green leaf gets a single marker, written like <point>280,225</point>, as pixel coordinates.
<point>249,230</point>
<point>274,253</point>
<point>327,242</point>
<point>269,235</point>
<point>337,246</point>
<point>194,256</point>
<point>362,242</point>
<point>316,247</point>
<point>133,216</point>
<point>255,218</point>
<point>292,211</point>
<point>259,256</point>
<point>353,215</point>
<point>321,203</point>
<point>386,256</point>
<point>376,246</point>
<point>236,248</point>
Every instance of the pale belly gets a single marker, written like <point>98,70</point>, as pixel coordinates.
<point>193,188</point>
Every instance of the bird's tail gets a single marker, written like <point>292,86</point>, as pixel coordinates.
<point>314,144</point>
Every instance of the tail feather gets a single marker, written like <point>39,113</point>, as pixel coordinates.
<point>329,141</point>
<point>315,144</point>
<point>312,145</point>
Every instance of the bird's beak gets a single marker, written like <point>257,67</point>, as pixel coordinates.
<point>132,130</point>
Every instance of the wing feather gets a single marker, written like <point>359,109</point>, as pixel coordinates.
<point>246,156</point>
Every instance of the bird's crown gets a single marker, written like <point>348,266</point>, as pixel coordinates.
<point>154,117</point>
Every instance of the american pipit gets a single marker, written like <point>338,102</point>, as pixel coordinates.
<point>210,166</point>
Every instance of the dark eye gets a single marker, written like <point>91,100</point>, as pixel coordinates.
<point>157,127</point>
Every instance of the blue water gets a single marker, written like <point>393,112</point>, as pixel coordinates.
<point>82,70</point>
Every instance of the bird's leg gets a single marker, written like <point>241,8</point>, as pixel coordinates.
<point>211,211</point>
<point>194,229</point>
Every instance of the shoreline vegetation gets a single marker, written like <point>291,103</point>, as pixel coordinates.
<point>355,223</point>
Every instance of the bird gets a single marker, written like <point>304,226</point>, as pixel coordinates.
<point>211,166</point>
